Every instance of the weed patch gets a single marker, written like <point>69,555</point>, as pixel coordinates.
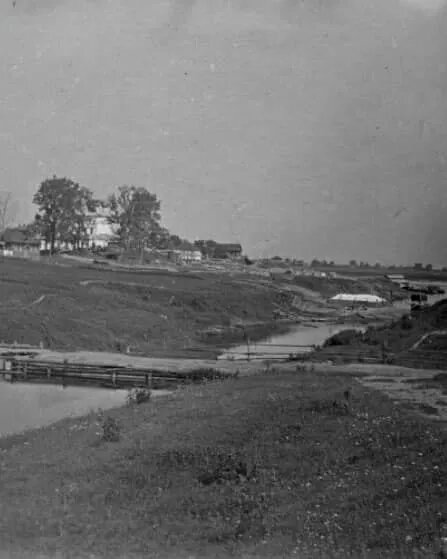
<point>110,430</point>
<point>138,396</point>
<point>225,466</point>
<point>329,407</point>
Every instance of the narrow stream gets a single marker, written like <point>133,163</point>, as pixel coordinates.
<point>25,406</point>
<point>299,340</point>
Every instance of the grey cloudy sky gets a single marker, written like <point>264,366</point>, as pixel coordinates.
<point>299,127</point>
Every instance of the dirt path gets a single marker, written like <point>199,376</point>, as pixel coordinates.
<point>422,390</point>
<point>427,335</point>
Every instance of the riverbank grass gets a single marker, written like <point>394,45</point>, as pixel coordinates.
<point>279,464</point>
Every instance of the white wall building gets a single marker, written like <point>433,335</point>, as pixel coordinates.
<point>188,255</point>
<point>100,231</point>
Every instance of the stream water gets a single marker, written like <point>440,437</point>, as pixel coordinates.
<point>298,340</point>
<point>25,406</point>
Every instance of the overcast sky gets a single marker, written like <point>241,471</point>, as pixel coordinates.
<point>297,127</point>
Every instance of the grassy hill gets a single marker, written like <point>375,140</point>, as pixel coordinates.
<point>275,465</point>
<point>68,306</point>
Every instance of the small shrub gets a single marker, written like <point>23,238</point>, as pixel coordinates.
<point>110,430</point>
<point>329,407</point>
<point>406,322</point>
<point>138,395</point>
<point>345,337</point>
<point>224,467</point>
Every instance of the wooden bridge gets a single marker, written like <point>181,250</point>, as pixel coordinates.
<point>29,364</point>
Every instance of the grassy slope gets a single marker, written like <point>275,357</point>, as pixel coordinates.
<point>261,466</point>
<point>153,312</point>
<point>398,337</point>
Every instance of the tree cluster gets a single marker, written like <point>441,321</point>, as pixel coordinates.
<point>65,211</point>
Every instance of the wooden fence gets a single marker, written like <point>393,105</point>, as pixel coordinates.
<point>23,369</point>
<point>26,370</point>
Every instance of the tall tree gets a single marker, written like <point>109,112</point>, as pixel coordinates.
<point>74,226</point>
<point>136,213</point>
<point>32,229</point>
<point>63,210</point>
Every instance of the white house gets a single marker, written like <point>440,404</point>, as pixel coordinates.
<point>185,255</point>
<point>100,232</point>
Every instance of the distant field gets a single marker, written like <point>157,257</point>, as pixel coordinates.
<point>69,306</point>
<point>373,272</point>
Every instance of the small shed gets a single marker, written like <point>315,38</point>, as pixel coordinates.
<point>16,242</point>
<point>227,250</point>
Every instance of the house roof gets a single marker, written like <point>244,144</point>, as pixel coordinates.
<point>18,236</point>
<point>229,247</point>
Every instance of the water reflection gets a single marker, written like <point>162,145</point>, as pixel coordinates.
<point>26,406</point>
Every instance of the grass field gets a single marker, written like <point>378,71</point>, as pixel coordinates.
<point>276,465</point>
<point>73,307</point>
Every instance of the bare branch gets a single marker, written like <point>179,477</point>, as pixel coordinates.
<point>5,210</point>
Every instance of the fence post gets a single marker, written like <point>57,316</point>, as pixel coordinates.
<point>384,357</point>
<point>148,380</point>
<point>248,348</point>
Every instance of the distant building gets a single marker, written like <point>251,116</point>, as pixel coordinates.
<point>223,250</point>
<point>358,298</point>
<point>16,242</point>
<point>213,249</point>
<point>398,279</point>
<point>100,232</point>
<point>187,255</point>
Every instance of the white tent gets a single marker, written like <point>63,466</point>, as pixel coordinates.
<point>358,298</point>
